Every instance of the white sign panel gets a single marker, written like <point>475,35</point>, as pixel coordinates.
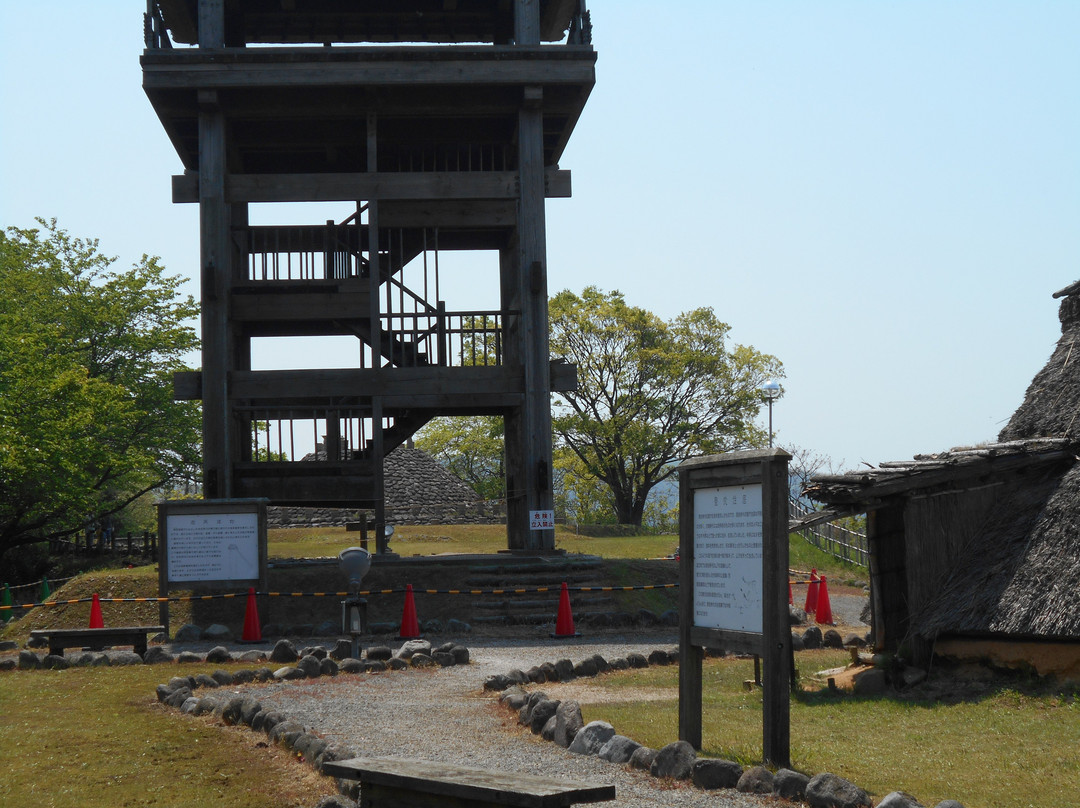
<point>541,520</point>
<point>727,558</point>
<point>213,546</point>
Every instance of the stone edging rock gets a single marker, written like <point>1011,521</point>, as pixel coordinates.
<point>284,651</point>
<point>561,722</point>
<point>234,709</point>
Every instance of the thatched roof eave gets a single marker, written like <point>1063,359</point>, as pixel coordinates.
<point>953,470</point>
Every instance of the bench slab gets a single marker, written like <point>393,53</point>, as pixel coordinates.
<point>96,638</point>
<point>405,783</point>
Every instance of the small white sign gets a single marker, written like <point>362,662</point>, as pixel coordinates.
<point>541,520</point>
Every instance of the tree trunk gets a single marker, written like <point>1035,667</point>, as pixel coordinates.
<point>624,509</point>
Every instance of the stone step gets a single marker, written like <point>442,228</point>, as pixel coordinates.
<point>512,582</point>
<point>545,568</point>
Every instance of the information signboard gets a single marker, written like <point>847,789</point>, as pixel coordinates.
<point>213,547</point>
<point>733,593</point>
<point>210,544</point>
<point>727,558</point>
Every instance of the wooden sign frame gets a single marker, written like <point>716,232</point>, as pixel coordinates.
<point>214,518</point>
<point>708,627</point>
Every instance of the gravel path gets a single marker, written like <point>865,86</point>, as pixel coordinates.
<point>444,715</point>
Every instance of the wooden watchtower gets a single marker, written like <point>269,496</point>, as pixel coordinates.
<point>450,142</point>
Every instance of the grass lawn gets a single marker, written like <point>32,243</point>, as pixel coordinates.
<point>98,737</point>
<point>988,743</point>
<point>410,540</point>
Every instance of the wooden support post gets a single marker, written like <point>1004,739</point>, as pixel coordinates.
<point>215,255</point>
<point>533,432</point>
<point>527,22</point>
<point>333,436</point>
<point>211,23</point>
<point>888,576</point>
<point>376,448</point>
<point>776,639</point>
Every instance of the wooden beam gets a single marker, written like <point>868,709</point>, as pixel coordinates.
<point>563,376</point>
<point>281,68</point>
<point>444,382</point>
<point>187,385</point>
<point>448,213</point>
<point>292,306</point>
<point>488,185</point>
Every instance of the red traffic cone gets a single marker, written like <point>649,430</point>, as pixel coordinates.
<point>564,620</point>
<point>410,626</point>
<point>96,620</point>
<point>252,630</point>
<point>824,608</point>
<point>811,593</point>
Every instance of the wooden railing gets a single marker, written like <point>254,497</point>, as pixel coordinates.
<point>100,542</point>
<point>839,542</point>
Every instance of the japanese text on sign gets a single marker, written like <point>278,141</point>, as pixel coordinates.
<point>213,546</point>
<point>727,558</point>
<point>541,520</point>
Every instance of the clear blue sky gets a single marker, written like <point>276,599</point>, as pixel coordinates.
<point>882,194</point>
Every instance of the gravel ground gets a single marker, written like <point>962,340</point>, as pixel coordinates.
<point>444,715</point>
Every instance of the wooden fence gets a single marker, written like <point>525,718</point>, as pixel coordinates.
<point>847,545</point>
<point>100,542</point>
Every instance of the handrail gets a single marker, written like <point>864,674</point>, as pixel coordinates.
<point>839,542</point>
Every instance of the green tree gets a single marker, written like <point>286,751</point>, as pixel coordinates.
<point>579,495</point>
<point>471,448</point>
<point>651,393</point>
<point>87,419</point>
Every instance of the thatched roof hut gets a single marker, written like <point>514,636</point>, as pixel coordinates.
<point>418,490</point>
<point>979,547</point>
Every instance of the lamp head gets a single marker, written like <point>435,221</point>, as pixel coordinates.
<point>770,391</point>
<point>355,563</point>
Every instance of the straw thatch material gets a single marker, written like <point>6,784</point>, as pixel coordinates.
<point>1020,574</point>
<point>412,478</point>
<point>991,533</point>
<point>1052,402</point>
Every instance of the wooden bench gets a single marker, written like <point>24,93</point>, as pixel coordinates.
<point>403,783</point>
<point>96,639</point>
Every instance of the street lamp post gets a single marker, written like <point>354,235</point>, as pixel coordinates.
<point>770,391</point>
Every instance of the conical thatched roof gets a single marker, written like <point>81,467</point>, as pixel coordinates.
<point>1018,570</point>
<point>1022,576</point>
<point>1052,402</point>
<point>412,477</point>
